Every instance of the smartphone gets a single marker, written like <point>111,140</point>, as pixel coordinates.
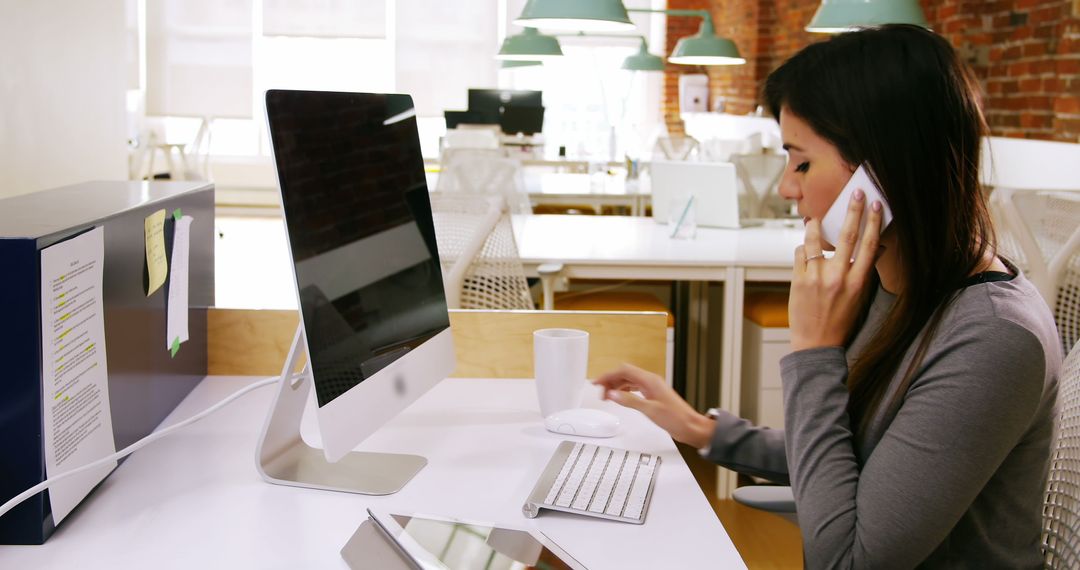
<point>834,218</point>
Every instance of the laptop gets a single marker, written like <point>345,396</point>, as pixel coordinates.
<point>713,185</point>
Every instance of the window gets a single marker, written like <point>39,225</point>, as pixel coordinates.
<point>215,58</point>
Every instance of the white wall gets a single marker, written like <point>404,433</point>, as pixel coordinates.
<point>62,88</point>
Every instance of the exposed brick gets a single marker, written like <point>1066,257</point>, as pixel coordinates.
<point>1067,105</point>
<point>1030,70</point>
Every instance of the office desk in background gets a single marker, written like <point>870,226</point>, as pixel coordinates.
<point>194,499</point>
<point>621,247</point>
<point>596,190</point>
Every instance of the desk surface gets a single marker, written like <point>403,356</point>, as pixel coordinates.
<point>583,184</point>
<point>638,242</point>
<point>194,499</point>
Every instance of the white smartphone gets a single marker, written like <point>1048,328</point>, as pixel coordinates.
<point>834,218</point>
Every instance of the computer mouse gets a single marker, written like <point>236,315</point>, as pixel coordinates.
<point>584,422</point>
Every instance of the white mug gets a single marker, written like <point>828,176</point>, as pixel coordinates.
<point>560,357</point>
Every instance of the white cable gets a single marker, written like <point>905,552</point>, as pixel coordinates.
<point>131,448</point>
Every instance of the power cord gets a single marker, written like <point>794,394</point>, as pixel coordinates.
<point>133,447</point>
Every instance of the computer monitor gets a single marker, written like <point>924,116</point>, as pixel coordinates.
<point>496,100</point>
<point>373,310</point>
<point>525,120</point>
<point>455,118</point>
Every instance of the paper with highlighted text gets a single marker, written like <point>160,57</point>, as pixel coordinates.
<point>76,414</point>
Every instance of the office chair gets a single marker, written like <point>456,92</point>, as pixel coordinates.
<point>479,257</point>
<point>674,148</point>
<point>1040,231</point>
<point>759,174</point>
<point>484,171</point>
<point>1061,508</point>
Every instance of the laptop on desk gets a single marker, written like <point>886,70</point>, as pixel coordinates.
<point>713,185</point>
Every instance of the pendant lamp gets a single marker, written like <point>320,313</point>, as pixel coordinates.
<point>836,16</point>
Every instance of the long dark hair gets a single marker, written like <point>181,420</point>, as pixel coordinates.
<point>897,98</point>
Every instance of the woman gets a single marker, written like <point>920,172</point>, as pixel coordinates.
<point>920,393</point>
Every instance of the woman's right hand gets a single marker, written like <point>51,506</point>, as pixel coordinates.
<point>659,402</point>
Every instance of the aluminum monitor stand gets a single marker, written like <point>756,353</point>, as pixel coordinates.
<point>283,458</point>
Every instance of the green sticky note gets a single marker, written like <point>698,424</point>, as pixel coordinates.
<point>177,215</point>
<point>175,347</point>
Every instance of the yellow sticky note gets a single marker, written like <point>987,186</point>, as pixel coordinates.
<point>157,265</point>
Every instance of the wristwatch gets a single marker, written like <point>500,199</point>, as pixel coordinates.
<point>711,413</point>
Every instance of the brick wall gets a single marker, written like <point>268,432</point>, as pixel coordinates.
<point>1026,54</point>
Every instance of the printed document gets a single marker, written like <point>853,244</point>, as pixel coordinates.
<point>76,414</point>
<point>177,315</point>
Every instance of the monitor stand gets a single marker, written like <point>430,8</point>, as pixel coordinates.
<point>283,458</point>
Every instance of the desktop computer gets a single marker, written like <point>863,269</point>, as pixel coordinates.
<point>374,322</point>
<point>515,111</point>
<point>524,120</point>
<point>496,100</point>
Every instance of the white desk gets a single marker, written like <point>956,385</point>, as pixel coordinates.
<point>596,190</point>
<point>619,247</point>
<point>194,500</point>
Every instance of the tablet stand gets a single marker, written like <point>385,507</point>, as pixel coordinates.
<point>283,458</point>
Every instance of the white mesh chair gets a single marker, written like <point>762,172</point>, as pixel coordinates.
<point>674,148</point>
<point>1061,508</point>
<point>759,174</point>
<point>481,266</point>
<point>484,171</point>
<point>1041,232</point>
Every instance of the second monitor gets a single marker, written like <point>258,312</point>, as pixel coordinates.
<point>496,100</point>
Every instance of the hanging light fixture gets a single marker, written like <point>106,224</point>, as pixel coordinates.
<point>529,45</point>
<point>836,16</point>
<point>511,64</point>
<point>706,48</point>
<point>643,60</point>
<point>583,15</point>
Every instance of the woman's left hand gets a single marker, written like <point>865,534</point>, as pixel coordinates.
<point>826,293</point>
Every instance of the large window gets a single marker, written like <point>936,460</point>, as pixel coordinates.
<point>213,60</point>
<point>594,109</point>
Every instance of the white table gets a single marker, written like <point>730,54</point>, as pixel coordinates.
<point>596,190</point>
<point>194,500</point>
<point>619,247</point>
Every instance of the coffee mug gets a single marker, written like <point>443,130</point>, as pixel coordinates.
<point>560,358</point>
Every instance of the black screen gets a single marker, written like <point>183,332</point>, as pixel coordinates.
<point>527,120</point>
<point>359,223</point>
<point>495,100</point>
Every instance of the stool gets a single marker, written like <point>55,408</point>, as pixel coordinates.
<point>766,339</point>
<point>623,301</point>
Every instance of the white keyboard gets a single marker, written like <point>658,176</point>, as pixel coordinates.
<point>597,481</point>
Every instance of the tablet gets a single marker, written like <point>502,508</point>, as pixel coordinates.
<point>427,542</point>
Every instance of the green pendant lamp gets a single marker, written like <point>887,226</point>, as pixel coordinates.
<point>643,60</point>
<point>529,45</point>
<point>511,64</point>
<point>706,48</point>
<point>836,16</point>
<point>583,15</point>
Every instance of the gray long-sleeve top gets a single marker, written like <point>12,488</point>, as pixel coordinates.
<point>952,477</point>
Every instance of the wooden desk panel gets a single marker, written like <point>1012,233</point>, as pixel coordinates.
<point>489,344</point>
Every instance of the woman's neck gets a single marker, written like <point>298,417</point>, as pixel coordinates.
<point>890,270</point>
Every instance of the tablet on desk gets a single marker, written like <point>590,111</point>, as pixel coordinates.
<point>424,542</point>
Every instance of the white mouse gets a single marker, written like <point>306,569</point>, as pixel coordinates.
<point>583,421</point>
